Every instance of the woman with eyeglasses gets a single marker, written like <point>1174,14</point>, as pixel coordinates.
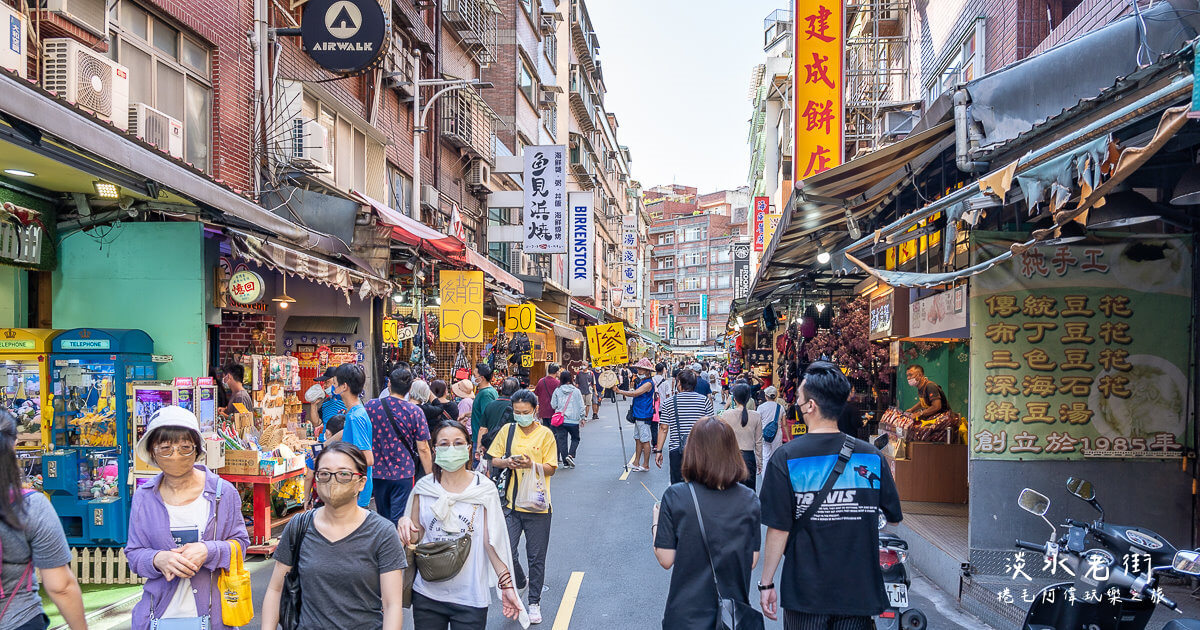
<point>452,502</point>
<point>181,526</point>
<point>350,562</point>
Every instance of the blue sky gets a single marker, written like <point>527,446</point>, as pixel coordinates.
<point>677,73</point>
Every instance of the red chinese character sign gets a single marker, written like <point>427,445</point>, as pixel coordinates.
<point>819,36</point>
<point>246,287</point>
<point>1081,351</point>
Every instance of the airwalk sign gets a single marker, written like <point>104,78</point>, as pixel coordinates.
<point>344,36</point>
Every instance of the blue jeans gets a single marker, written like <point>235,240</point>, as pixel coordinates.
<point>391,497</point>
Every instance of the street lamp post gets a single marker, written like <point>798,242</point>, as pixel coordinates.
<point>420,112</point>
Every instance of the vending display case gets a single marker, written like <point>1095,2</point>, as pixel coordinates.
<point>86,469</point>
<point>24,354</point>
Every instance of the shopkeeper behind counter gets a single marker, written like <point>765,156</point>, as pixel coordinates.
<point>931,400</point>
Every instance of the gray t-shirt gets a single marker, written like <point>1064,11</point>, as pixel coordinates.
<point>585,380</point>
<point>241,397</point>
<point>340,580</point>
<point>43,535</point>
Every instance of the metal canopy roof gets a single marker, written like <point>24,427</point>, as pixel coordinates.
<point>821,201</point>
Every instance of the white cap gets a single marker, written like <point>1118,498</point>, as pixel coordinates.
<point>169,416</point>
<point>695,367</point>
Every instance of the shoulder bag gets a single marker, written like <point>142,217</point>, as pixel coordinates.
<point>508,476</point>
<point>289,600</point>
<point>843,457</point>
<point>560,417</point>
<point>443,559</point>
<point>418,469</point>
<point>772,428</point>
<point>731,614</point>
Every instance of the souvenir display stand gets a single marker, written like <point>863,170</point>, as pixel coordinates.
<point>87,464</point>
<point>262,541</point>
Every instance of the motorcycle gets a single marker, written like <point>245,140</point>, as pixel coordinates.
<point>1123,541</point>
<point>1071,605</point>
<point>893,561</point>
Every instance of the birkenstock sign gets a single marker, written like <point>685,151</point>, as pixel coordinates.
<point>344,36</point>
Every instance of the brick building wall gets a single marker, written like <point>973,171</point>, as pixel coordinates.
<point>237,329</point>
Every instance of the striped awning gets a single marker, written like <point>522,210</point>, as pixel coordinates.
<point>283,259</point>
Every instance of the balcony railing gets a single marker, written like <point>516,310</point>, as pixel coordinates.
<point>583,36</point>
<point>582,101</point>
<point>468,123</point>
<point>581,162</point>
<point>475,22</point>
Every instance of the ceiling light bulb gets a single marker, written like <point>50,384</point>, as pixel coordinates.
<point>283,305</point>
<point>823,258</point>
<point>740,322</point>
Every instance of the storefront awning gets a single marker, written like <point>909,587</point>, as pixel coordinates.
<point>410,231</point>
<point>588,311</point>
<point>475,259</point>
<point>283,259</point>
<point>329,324</point>
<point>857,187</point>
<point>564,331</point>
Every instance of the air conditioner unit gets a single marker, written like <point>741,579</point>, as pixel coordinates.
<point>479,175</point>
<point>90,14</point>
<point>899,123</point>
<point>402,71</point>
<point>12,52</point>
<point>309,146</point>
<point>157,128</point>
<point>430,197</point>
<point>87,79</point>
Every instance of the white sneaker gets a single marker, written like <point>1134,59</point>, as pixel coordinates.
<point>535,613</point>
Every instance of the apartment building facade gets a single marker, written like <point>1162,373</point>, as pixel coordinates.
<point>691,263</point>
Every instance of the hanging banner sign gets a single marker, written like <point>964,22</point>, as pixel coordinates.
<point>629,261</point>
<point>940,313</point>
<point>741,269</point>
<point>770,223</point>
<point>520,318</point>
<point>462,306</point>
<point>391,329</point>
<point>1075,353</point>
<point>343,36</point>
<point>654,315</point>
<point>607,345</point>
<point>544,222</point>
<point>582,259</point>
<point>818,32</point>
<point>761,204</point>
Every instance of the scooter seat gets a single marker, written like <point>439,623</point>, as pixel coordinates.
<point>1182,624</point>
<point>891,540</point>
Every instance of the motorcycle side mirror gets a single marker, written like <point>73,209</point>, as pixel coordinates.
<point>1034,502</point>
<point>1084,489</point>
<point>881,441</point>
<point>1187,562</point>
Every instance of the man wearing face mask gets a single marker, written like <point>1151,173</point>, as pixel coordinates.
<point>485,394</point>
<point>931,400</point>
<point>232,377</point>
<point>329,406</point>
<point>358,431</point>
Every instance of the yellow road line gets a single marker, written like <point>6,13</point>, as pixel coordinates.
<point>566,608</point>
<point>625,475</point>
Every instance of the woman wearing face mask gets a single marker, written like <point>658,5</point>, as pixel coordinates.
<point>350,562</point>
<point>443,506</point>
<point>180,526</point>
<point>531,445</point>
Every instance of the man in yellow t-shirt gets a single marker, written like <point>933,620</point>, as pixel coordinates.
<point>532,445</point>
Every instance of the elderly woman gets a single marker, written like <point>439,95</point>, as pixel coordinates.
<point>464,391</point>
<point>181,527</point>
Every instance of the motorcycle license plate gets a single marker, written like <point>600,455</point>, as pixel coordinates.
<point>897,595</point>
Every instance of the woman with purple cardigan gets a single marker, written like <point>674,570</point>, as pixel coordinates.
<point>180,527</point>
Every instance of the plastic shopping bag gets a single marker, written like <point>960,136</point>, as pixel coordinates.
<point>531,492</point>
<point>237,605</point>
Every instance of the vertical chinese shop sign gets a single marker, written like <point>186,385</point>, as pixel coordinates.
<point>1081,351</point>
<point>819,36</point>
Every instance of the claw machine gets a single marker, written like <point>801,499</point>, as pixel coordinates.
<point>25,392</point>
<point>87,465</point>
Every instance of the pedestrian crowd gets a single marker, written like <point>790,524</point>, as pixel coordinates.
<point>422,496</point>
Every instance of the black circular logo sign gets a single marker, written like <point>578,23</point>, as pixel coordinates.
<point>343,36</point>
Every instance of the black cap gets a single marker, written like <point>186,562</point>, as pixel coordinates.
<point>326,376</point>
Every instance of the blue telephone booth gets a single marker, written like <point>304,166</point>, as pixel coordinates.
<point>86,471</point>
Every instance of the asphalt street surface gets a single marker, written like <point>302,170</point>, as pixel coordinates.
<point>600,568</point>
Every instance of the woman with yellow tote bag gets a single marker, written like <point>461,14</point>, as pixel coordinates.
<point>237,607</point>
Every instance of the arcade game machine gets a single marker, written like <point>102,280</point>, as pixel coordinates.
<point>24,392</point>
<point>86,469</point>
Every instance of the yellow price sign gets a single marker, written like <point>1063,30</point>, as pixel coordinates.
<point>520,318</point>
<point>527,360</point>
<point>462,306</point>
<point>607,345</point>
<point>391,331</point>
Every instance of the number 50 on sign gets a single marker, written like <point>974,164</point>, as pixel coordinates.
<point>462,306</point>
<point>520,318</point>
